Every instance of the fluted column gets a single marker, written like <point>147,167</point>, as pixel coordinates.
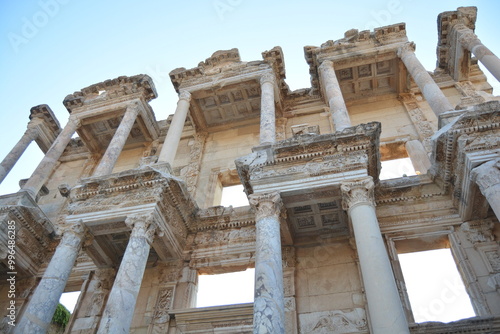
<point>17,151</point>
<point>432,93</point>
<point>469,40</point>
<point>418,156</point>
<point>338,109</point>
<point>487,177</point>
<point>384,305</point>
<point>115,147</point>
<point>174,134</point>
<point>40,310</point>
<point>267,110</point>
<point>119,311</point>
<point>49,161</point>
<point>269,305</point>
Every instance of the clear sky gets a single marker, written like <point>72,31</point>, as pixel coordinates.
<point>51,48</point>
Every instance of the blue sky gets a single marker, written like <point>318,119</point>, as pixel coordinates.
<point>51,48</point>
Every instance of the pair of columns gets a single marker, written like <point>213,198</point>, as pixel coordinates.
<point>119,310</point>
<point>384,303</point>
<point>267,119</point>
<point>431,91</point>
<point>49,161</point>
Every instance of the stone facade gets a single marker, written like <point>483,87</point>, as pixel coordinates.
<point>129,211</point>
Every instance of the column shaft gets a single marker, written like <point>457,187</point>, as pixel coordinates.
<point>431,91</point>
<point>269,305</point>
<point>40,310</point>
<point>418,156</point>
<point>487,177</point>
<point>471,42</point>
<point>384,304</point>
<point>267,110</point>
<point>174,134</point>
<point>115,147</point>
<point>338,109</point>
<point>119,311</point>
<point>17,151</point>
<point>49,161</point>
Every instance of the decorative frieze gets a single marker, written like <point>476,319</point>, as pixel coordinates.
<point>334,322</point>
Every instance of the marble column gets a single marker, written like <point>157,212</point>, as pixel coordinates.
<point>267,110</point>
<point>115,147</point>
<point>49,161</point>
<point>42,305</point>
<point>431,91</point>
<point>333,94</point>
<point>471,42</point>
<point>487,177</point>
<point>269,308</point>
<point>119,311</point>
<point>418,156</point>
<point>17,151</point>
<point>174,134</point>
<point>384,304</point>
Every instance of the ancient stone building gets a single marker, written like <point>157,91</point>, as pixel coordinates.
<point>128,212</point>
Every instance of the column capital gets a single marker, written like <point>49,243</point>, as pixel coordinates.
<point>142,226</point>
<point>184,95</point>
<point>405,49</point>
<point>32,131</point>
<point>77,228</point>
<point>75,120</point>
<point>358,192</point>
<point>326,64</point>
<point>267,77</point>
<point>266,205</point>
<point>467,38</point>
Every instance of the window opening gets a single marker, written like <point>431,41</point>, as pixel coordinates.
<point>234,195</point>
<point>226,289</point>
<point>69,299</point>
<point>393,169</point>
<point>435,288</point>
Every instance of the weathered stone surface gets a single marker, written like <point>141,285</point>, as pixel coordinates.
<point>322,230</point>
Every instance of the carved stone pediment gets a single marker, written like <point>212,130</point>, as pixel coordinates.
<point>307,171</point>
<point>138,86</point>
<point>465,143</point>
<point>307,161</point>
<point>104,203</point>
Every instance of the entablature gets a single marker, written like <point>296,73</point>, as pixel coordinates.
<point>469,138</point>
<point>366,63</point>
<point>104,203</point>
<point>100,107</point>
<point>226,92</point>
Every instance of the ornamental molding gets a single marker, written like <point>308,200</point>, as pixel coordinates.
<point>476,130</point>
<point>111,90</point>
